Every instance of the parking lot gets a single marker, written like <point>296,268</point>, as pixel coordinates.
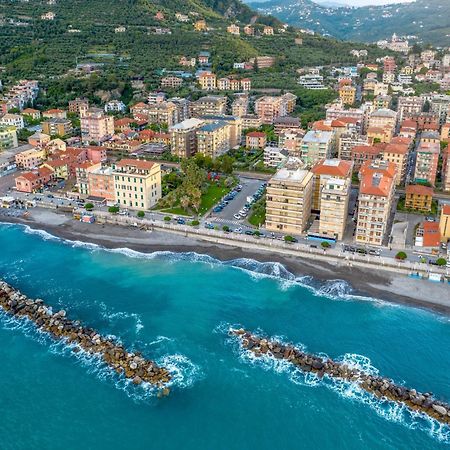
<point>249,188</point>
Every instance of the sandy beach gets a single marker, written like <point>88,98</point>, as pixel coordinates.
<point>383,285</point>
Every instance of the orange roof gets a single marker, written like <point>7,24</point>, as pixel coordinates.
<point>138,163</point>
<point>401,140</point>
<point>30,111</point>
<point>376,183</point>
<point>446,210</point>
<point>431,234</point>
<point>43,171</point>
<point>400,149</point>
<point>366,149</point>
<point>348,120</point>
<point>418,189</point>
<point>30,176</point>
<point>321,126</point>
<point>333,167</point>
<point>258,134</point>
<point>140,105</point>
<point>54,110</point>
<point>56,163</point>
<point>85,165</point>
<point>408,123</point>
<point>123,122</point>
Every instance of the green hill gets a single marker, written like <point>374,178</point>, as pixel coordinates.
<point>429,20</point>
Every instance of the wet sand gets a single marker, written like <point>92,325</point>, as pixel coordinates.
<point>383,285</point>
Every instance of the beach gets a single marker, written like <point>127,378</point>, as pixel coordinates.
<point>384,285</point>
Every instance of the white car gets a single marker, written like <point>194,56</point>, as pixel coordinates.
<point>238,230</point>
<point>237,217</point>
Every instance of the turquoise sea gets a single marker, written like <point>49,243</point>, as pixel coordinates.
<point>176,308</point>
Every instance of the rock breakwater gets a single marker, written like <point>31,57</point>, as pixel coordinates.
<point>132,366</point>
<point>378,386</point>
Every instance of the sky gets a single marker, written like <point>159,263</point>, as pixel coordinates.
<point>370,2</point>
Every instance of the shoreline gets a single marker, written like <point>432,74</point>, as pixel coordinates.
<point>384,285</point>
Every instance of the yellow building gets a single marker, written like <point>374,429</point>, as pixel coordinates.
<point>347,94</point>
<point>207,81</point>
<point>213,139</point>
<point>137,183</point>
<point>183,137</point>
<point>59,168</point>
<point>288,200</point>
<point>200,25</point>
<point>30,159</point>
<point>418,197</point>
<point>8,137</point>
<point>398,154</point>
<point>444,223</point>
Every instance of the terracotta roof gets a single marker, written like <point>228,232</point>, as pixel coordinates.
<point>30,176</point>
<point>258,134</point>
<point>138,163</point>
<point>376,183</point>
<point>56,163</point>
<point>333,167</point>
<point>366,149</point>
<point>123,122</point>
<point>431,234</point>
<point>85,165</point>
<point>419,189</point>
<point>43,171</point>
<point>400,149</point>
<point>446,210</point>
<point>54,110</point>
<point>408,123</point>
<point>30,111</point>
<point>140,105</point>
<point>401,140</point>
<point>321,126</point>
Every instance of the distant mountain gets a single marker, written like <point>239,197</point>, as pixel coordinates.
<point>429,20</point>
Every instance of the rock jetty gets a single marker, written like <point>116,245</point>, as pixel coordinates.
<point>379,386</point>
<point>132,366</point>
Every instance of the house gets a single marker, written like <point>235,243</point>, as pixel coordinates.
<point>275,156</point>
<point>428,235</point>
<point>35,114</point>
<point>115,106</point>
<point>256,140</point>
<point>8,137</point>
<point>200,25</point>
<point>268,31</point>
<point>234,29</point>
<point>207,81</point>
<point>12,120</point>
<point>30,182</point>
<point>418,197</point>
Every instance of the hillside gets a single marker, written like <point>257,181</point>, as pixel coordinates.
<point>429,20</point>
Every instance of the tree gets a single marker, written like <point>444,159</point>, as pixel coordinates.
<point>140,214</point>
<point>167,218</point>
<point>325,244</point>
<point>195,223</point>
<point>289,239</point>
<point>89,206</point>
<point>113,209</point>
<point>401,256</point>
<point>226,228</point>
<point>441,262</point>
<point>226,164</point>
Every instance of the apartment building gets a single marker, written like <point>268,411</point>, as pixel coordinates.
<point>207,81</point>
<point>383,118</point>
<point>376,194</point>
<point>101,183</point>
<point>256,140</point>
<point>162,113</point>
<point>211,105</point>
<point>363,153</point>
<point>409,105</point>
<point>398,154</point>
<point>12,120</point>
<point>57,127</point>
<point>8,137</point>
<point>347,94</point>
<point>316,145</point>
<point>418,197</point>
<point>171,82</point>
<point>334,200</point>
<point>213,138</point>
<point>96,126</point>
<point>446,169</point>
<point>30,159</point>
<point>427,159</point>
<point>269,108</point>
<point>325,170</point>
<point>137,183</point>
<point>347,141</point>
<point>239,106</point>
<point>288,200</point>
<point>275,156</point>
<point>183,137</point>
<point>444,223</point>
<point>291,140</point>
<point>55,113</point>
<point>78,105</point>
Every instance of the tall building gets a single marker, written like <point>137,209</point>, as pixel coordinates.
<point>398,154</point>
<point>376,194</point>
<point>137,183</point>
<point>78,105</point>
<point>347,141</point>
<point>213,138</point>
<point>409,105</point>
<point>288,200</point>
<point>334,200</point>
<point>183,137</point>
<point>96,126</point>
<point>446,169</point>
<point>210,105</point>
<point>270,108</point>
<point>58,127</point>
<point>347,94</point>
<point>8,137</point>
<point>316,145</point>
<point>427,159</point>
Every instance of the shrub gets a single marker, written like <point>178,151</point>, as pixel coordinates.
<point>289,239</point>
<point>441,261</point>
<point>89,206</point>
<point>167,218</point>
<point>401,256</point>
<point>226,228</point>
<point>257,233</point>
<point>325,244</point>
<point>195,223</point>
<point>113,209</point>
<point>140,214</point>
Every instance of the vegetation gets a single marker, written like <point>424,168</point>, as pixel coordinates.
<point>113,209</point>
<point>140,214</point>
<point>167,218</point>
<point>289,238</point>
<point>441,262</point>
<point>89,206</point>
<point>325,244</point>
<point>195,223</point>
<point>258,212</point>
<point>226,228</point>
<point>401,256</point>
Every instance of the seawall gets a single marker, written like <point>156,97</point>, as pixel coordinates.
<point>132,366</point>
<point>379,386</point>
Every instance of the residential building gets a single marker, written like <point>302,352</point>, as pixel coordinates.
<point>288,200</point>
<point>363,153</point>
<point>115,106</point>
<point>57,127</point>
<point>334,200</point>
<point>268,31</point>
<point>325,170</point>
<point>347,94</point>
<point>428,235</point>
<point>409,105</point>
<point>418,197</point>
<point>33,181</point>
<point>207,81</point>
<point>275,156</point>
<point>375,200</point>
<point>31,159</point>
<point>200,25</point>
<point>96,126</point>
<point>213,138</point>
<point>383,118</point>
<point>316,145</point>
<point>234,29</point>
<point>162,113</point>
<point>239,106</point>
<point>137,183</point>
<point>347,141</point>
<point>8,137</point>
<point>78,105</point>
<point>291,140</point>
<point>382,101</point>
<point>251,121</point>
<point>270,108</point>
<point>55,113</point>
<point>171,82</point>
<point>311,82</point>
<point>12,120</point>
<point>101,183</point>
<point>286,123</point>
<point>35,114</point>
<point>211,105</point>
<point>446,169</point>
<point>256,140</point>
<point>398,154</point>
<point>183,137</point>
<point>444,223</point>
<point>81,174</point>
<point>427,158</point>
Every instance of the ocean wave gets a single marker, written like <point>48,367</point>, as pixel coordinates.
<point>389,410</point>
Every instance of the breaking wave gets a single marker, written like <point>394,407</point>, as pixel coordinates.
<point>391,411</point>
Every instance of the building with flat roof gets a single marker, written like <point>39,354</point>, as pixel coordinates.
<point>316,145</point>
<point>8,137</point>
<point>427,160</point>
<point>213,138</point>
<point>183,137</point>
<point>288,201</point>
